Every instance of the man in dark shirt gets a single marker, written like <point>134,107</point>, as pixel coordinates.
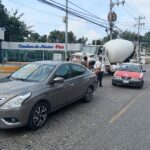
<point>85,61</point>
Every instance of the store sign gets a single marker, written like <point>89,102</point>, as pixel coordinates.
<point>58,46</point>
<point>40,46</point>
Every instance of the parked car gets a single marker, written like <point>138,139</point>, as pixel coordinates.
<point>39,88</point>
<point>131,74</point>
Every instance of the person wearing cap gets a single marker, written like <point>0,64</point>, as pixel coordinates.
<point>99,70</point>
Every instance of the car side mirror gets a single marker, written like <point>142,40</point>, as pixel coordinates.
<point>57,80</point>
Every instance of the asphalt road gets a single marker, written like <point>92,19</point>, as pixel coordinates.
<point>117,119</point>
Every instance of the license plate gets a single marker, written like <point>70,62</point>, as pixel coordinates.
<point>125,81</point>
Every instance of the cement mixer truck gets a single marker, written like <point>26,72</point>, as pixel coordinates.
<point>113,52</point>
<point>117,51</point>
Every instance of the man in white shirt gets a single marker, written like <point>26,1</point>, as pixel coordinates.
<point>99,65</point>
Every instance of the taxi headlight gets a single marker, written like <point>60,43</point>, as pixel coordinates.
<point>117,77</point>
<point>15,102</point>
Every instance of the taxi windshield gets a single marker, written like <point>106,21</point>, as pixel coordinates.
<point>131,68</point>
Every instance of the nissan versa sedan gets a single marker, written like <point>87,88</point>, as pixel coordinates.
<point>131,74</point>
<point>39,88</point>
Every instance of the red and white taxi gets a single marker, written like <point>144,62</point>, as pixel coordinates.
<point>131,74</point>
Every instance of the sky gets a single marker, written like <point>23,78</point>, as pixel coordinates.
<point>45,19</point>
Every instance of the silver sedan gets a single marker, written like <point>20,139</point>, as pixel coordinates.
<point>31,93</point>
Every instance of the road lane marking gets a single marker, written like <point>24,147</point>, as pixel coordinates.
<point>124,109</point>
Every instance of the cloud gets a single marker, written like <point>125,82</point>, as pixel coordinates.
<point>73,26</point>
<point>91,35</point>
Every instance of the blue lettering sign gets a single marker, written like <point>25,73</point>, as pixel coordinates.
<point>35,46</point>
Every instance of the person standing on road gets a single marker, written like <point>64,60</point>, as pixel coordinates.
<point>85,61</point>
<point>99,70</point>
<point>67,59</point>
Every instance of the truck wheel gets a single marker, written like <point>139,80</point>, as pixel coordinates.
<point>38,115</point>
<point>89,95</point>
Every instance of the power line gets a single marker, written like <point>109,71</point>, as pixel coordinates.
<point>74,13</point>
<point>36,9</point>
<point>133,9</point>
<point>134,6</point>
<point>128,11</point>
<point>71,8</point>
<point>88,12</point>
<point>89,15</point>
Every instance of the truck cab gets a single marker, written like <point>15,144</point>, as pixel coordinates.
<point>91,51</point>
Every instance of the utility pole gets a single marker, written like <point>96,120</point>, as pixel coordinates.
<point>112,16</point>
<point>110,22</point>
<point>66,32</point>
<point>139,24</point>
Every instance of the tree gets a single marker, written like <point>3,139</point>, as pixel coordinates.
<point>3,16</point>
<point>16,30</point>
<point>115,35</point>
<point>34,37</point>
<point>97,42</point>
<point>147,37</point>
<point>59,36</point>
<point>56,36</point>
<point>131,36</point>
<point>71,37</point>
<point>82,40</point>
<point>43,38</point>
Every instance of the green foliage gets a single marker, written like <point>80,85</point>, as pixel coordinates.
<point>34,37</point>
<point>3,15</point>
<point>16,30</point>
<point>43,38</point>
<point>82,40</point>
<point>59,37</point>
<point>131,36</point>
<point>147,37</point>
<point>97,42</point>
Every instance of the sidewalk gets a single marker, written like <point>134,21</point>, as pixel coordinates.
<point>10,67</point>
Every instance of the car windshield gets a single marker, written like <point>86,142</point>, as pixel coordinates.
<point>33,72</point>
<point>131,68</point>
<point>89,49</point>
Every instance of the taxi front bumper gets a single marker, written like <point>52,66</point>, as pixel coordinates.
<point>127,82</point>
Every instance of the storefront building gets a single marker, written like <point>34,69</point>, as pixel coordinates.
<point>29,52</point>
